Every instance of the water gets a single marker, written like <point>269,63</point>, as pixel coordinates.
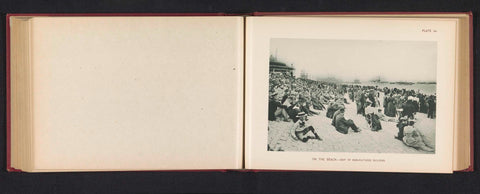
<point>423,88</point>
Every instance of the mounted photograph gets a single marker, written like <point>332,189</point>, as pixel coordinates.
<point>358,96</point>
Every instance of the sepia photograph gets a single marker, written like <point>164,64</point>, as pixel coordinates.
<point>358,96</point>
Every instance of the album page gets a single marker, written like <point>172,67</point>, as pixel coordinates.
<point>137,93</point>
<point>350,93</point>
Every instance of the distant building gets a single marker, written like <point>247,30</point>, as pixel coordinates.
<point>277,66</point>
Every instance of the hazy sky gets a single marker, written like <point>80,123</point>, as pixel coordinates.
<point>359,59</point>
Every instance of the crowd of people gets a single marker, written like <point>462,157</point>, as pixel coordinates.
<point>294,99</point>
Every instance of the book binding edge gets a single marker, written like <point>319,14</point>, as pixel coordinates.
<point>471,55</point>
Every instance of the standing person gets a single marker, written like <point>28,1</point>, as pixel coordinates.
<point>351,95</point>
<point>385,101</point>
<point>371,96</point>
<point>390,107</point>
<point>377,99</point>
<point>431,107</point>
<point>416,104</point>
<point>301,129</point>
<point>363,100</point>
<point>360,99</point>
<point>423,103</point>
<point>409,108</point>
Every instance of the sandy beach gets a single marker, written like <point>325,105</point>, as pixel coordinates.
<point>366,141</point>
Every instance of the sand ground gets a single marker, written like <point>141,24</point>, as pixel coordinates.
<point>366,141</point>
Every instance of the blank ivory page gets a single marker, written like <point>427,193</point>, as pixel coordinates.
<point>137,93</point>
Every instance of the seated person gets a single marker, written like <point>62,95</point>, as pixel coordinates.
<point>272,107</point>
<point>376,123</point>
<point>342,125</point>
<point>302,104</point>
<point>317,104</point>
<point>383,117</point>
<point>293,111</point>
<point>413,138</point>
<point>281,111</point>
<point>332,108</point>
<point>372,118</point>
<point>310,109</point>
<point>281,114</point>
<point>301,129</point>
<point>402,123</point>
<point>336,113</point>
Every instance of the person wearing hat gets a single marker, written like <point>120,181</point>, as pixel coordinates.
<point>279,110</point>
<point>301,129</point>
<point>332,108</point>
<point>431,107</point>
<point>342,125</point>
<point>409,108</point>
<point>402,123</point>
<point>360,101</point>
<point>371,97</point>
<point>390,109</point>
<point>272,106</point>
<point>376,124</point>
<point>340,110</point>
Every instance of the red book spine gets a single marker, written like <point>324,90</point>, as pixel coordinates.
<point>9,167</point>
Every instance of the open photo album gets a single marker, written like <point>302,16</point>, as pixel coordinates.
<point>380,92</point>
